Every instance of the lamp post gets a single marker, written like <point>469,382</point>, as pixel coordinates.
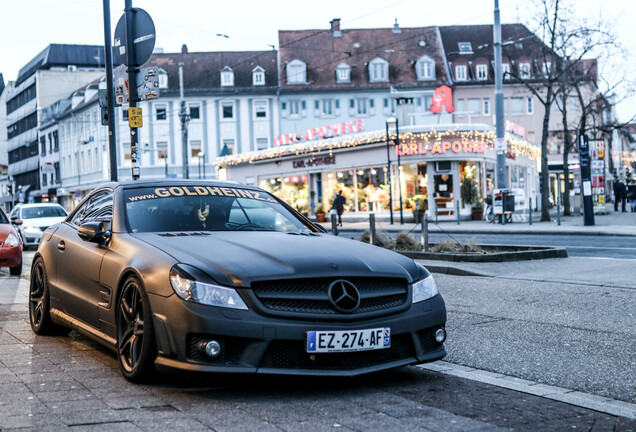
<point>393,120</point>
<point>388,166</point>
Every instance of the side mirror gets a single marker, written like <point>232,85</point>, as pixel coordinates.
<point>16,221</point>
<point>92,232</point>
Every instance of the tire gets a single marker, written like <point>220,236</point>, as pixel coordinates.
<point>39,302</point>
<point>136,347</point>
<point>17,270</point>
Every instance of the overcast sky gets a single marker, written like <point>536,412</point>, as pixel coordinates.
<point>28,26</point>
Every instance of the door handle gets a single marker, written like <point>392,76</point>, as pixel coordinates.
<point>61,246</point>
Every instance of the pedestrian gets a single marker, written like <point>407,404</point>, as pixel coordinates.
<point>631,195</point>
<point>616,186</point>
<point>338,205</point>
<point>623,190</point>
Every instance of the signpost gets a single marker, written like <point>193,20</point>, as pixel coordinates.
<point>134,41</point>
<point>586,182</point>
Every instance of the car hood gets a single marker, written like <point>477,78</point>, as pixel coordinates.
<point>238,258</point>
<point>42,222</point>
<point>5,230</point>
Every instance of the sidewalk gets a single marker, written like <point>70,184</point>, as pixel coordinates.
<point>618,224</point>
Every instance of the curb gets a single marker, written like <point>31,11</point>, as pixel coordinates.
<point>493,231</point>
<point>454,271</point>
<point>525,253</point>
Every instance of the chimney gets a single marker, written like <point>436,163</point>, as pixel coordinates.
<point>396,28</point>
<point>184,49</point>
<point>335,27</point>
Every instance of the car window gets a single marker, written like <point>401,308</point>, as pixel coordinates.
<point>42,212</point>
<point>206,208</point>
<point>3,218</point>
<point>98,208</point>
<point>15,213</point>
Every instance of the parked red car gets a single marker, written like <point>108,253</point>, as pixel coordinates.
<point>10,246</point>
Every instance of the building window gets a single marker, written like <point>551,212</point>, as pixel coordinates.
<point>260,109</point>
<point>546,68</point>
<point>482,72</point>
<point>195,149</point>
<point>486,107</point>
<point>261,143</point>
<point>465,47</point>
<point>162,150</point>
<point>343,73</point>
<point>227,110</point>
<point>516,106</point>
<point>296,72</point>
<point>195,112</point>
<point>294,108</point>
<point>56,142</point>
<point>425,68</point>
<point>229,143</point>
<point>531,137</point>
<point>43,145</point>
<point>474,108</point>
<point>258,76</point>
<point>378,70</point>
<point>161,113</point>
<point>524,70</point>
<point>460,73</point>
<point>530,105</point>
<point>505,70</point>
<point>44,177</point>
<point>227,77</point>
<point>124,115</point>
<point>326,108</point>
<point>163,79</point>
<point>362,106</point>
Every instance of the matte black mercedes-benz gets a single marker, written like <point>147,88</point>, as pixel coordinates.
<point>221,277</point>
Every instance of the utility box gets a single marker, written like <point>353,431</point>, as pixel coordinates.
<point>503,201</point>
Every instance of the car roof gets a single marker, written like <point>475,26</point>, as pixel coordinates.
<point>39,205</point>
<point>133,184</point>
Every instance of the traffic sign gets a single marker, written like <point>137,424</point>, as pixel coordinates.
<point>143,38</point>
<point>135,117</point>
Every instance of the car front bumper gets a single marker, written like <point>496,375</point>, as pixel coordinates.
<point>255,343</point>
<point>10,256</point>
<point>30,238</point>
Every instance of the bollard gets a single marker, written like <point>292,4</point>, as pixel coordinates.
<point>424,233</point>
<point>372,228</point>
<point>457,211</point>
<point>436,221</point>
<point>334,225</point>
<point>503,208</point>
<point>530,210</point>
<point>559,201</point>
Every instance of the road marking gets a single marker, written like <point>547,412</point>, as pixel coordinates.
<point>584,400</point>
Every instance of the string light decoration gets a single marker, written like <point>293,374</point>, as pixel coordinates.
<point>516,146</point>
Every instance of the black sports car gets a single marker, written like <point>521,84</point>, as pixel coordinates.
<point>221,277</point>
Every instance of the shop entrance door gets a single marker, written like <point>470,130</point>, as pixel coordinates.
<point>443,188</point>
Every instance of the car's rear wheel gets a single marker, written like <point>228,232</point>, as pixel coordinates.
<point>39,301</point>
<point>17,270</point>
<point>136,348</point>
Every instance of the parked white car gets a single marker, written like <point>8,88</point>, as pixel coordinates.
<point>31,220</point>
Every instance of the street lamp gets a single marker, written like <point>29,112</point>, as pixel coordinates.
<point>390,121</point>
<point>388,165</point>
<point>201,157</point>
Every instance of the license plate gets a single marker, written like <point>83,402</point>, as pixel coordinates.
<point>348,340</point>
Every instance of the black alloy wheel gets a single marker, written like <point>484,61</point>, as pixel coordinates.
<point>136,349</point>
<point>39,302</point>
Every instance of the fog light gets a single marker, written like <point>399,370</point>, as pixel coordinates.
<point>440,336</point>
<point>213,349</point>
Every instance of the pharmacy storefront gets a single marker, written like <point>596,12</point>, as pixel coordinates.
<point>443,168</point>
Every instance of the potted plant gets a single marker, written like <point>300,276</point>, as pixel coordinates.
<point>320,213</point>
<point>478,207</point>
<point>468,191</point>
<point>420,205</point>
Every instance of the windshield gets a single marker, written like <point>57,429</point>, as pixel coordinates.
<point>206,208</point>
<point>42,212</point>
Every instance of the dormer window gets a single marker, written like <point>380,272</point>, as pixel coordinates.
<point>378,70</point>
<point>296,72</point>
<point>465,47</point>
<point>505,70</point>
<point>163,79</point>
<point>524,70</point>
<point>461,73</point>
<point>547,67</point>
<point>425,68</point>
<point>227,77</point>
<point>258,76</point>
<point>343,73</point>
<point>482,71</point>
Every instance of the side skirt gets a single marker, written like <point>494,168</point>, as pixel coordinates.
<point>66,320</point>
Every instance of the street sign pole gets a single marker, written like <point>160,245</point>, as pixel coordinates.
<point>132,79</point>
<point>500,146</point>
<point>586,180</point>
<point>108,56</point>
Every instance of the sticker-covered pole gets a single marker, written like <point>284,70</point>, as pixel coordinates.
<point>132,86</point>
<point>110,94</point>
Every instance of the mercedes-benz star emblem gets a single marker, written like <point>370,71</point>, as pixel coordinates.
<point>344,296</point>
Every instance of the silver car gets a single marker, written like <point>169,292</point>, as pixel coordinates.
<point>31,220</point>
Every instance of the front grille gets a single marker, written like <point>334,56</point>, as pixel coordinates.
<point>231,349</point>
<point>310,295</point>
<point>43,228</point>
<point>292,355</point>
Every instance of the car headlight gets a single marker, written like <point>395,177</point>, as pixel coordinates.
<point>424,289</point>
<point>204,293</point>
<point>12,240</point>
<point>32,229</point>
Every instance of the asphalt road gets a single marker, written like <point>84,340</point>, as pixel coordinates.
<point>583,245</point>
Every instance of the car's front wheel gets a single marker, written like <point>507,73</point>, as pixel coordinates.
<point>39,301</point>
<point>136,348</point>
<point>17,270</point>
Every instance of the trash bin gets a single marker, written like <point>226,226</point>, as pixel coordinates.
<point>503,202</point>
